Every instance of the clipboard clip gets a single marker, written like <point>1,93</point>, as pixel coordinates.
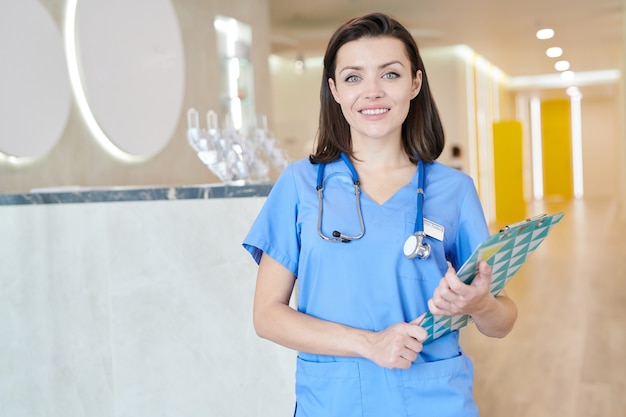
<point>540,218</point>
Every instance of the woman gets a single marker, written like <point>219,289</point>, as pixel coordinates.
<point>360,299</point>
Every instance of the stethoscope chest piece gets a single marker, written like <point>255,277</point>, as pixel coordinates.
<point>414,246</point>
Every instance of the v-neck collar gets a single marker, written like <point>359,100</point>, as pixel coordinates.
<point>400,196</point>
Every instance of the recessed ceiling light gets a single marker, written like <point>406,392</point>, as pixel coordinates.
<point>554,52</point>
<point>573,91</point>
<point>561,65</point>
<point>567,75</point>
<point>545,33</point>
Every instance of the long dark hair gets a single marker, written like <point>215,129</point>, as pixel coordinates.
<point>422,132</point>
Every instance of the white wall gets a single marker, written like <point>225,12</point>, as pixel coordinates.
<point>446,69</point>
<point>295,104</point>
<point>601,150</point>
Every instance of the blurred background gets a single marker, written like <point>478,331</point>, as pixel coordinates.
<point>96,94</point>
<point>140,308</point>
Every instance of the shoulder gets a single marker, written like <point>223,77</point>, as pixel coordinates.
<point>449,186</point>
<point>303,165</point>
<point>297,176</point>
<point>438,172</point>
<point>304,172</point>
<point>301,170</point>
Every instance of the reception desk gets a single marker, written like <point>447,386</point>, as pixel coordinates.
<point>134,302</point>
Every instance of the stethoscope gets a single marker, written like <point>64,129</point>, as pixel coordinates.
<point>414,246</point>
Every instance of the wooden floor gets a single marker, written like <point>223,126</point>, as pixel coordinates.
<point>566,356</point>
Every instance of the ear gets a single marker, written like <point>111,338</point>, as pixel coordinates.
<point>333,89</point>
<point>417,84</point>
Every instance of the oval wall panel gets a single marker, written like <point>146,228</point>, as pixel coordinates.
<point>132,70</point>
<point>35,94</point>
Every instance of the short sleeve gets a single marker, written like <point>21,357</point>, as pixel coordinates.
<point>472,227</point>
<point>275,229</point>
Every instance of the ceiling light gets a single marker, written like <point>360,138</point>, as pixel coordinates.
<point>554,52</point>
<point>298,64</point>
<point>561,65</point>
<point>567,75</point>
<point>573,91</point>
<point>545,34</point>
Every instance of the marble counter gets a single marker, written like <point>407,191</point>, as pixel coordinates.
<point>64,195</point>
<point>137,304</point>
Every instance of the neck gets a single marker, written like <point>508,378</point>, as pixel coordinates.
<point>379,152</point>
<point>381,158</point>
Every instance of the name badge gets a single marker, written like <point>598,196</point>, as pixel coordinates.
<point>433,230</point>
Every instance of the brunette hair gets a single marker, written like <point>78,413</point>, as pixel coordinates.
<point>422,132</point>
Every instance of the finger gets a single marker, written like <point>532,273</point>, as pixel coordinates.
<point>484,275</point>
<point>435,305</point>
<point>410,354</point>
<point>453,282</point>
<point>483,266</point>
<point>417,332</point>
<point>414,345</point>
<point>485,270</point>
<point>437,293</point>
<point>444,293</point>
<point>402,363</point>
<point>444,290</point>
<point>440,307</point>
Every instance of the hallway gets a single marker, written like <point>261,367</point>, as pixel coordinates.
<point>564,358</point>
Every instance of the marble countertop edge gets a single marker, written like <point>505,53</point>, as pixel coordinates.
<point>72,194</point>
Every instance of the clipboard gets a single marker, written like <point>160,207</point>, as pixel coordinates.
<point>506,252</point>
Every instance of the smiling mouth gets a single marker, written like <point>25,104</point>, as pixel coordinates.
<point>371,112</point>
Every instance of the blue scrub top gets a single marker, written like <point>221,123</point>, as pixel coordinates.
<point>369,284</point>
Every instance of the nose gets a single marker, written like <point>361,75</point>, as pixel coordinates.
<point>373,89</point>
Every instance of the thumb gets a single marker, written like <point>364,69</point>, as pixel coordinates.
<point>484,273</point>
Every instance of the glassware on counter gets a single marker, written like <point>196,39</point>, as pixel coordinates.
<point>231,156</point>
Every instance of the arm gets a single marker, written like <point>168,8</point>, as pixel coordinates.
<point>494,316</point>
<point>394,347</point>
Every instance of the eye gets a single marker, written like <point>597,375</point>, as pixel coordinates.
<point>352,78</point>
<point>391,75</point>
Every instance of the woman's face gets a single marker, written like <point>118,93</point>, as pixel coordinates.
<point>374,86</point>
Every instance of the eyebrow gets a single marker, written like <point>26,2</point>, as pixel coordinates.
<point>356,68</point>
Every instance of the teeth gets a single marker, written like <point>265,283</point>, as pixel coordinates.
<point>374,111</point>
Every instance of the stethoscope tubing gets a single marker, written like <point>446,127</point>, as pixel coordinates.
<point>337,235</point>
<point>414,246</point>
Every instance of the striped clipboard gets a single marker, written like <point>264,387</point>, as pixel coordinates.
<point>506,252</point>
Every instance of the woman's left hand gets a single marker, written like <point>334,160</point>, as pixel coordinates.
<point>453,297</point>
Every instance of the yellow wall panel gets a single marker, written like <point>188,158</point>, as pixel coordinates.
<point>508,171</point>
<point>557,149</point>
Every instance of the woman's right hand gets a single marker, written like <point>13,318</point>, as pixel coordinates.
<point>398,345</point>
<point>275,320</point>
